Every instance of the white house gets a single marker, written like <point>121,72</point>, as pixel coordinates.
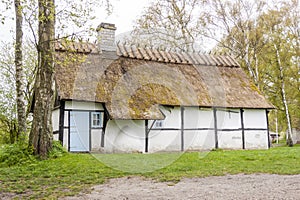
<point>125,98</point>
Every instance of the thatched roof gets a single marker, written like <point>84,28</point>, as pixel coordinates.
<point>135,81</point>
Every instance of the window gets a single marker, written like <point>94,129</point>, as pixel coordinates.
<point>159,124</point>
<point>96,120</point>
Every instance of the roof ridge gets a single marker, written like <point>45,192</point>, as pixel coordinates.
<point>145,52</point>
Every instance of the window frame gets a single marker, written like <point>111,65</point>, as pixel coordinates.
<point>96,119</point>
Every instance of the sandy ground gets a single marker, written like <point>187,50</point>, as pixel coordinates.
<point>255,186</point>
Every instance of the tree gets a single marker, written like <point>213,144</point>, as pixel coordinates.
<point>266,42</point>
<point>236,23</point>
<point>8,102</point>
<point>281,55</point>
<point>21,107</point>
<point>41,132</point>
<point>169,24</point>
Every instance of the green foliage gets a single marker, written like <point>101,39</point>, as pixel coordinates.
<point>57,150</point>
<point>15,154</point>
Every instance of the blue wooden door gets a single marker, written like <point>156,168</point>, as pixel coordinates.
<point>79,131</point>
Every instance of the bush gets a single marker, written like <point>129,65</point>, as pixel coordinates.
<point>15,154</point>
<point>57,150</point>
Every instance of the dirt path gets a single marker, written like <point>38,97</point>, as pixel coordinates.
<point>255,186</point>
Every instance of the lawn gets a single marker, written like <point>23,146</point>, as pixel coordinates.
<point>72,173</point>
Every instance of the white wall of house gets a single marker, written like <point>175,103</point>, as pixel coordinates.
<point>125,136</point>
<point>55,120</point>
<point>194,118</point>
<point>230,139</point>
<point>255,139</point>
<point>199,140</point>
<point>96,139</point>
<point>255,118</point>
<point>229,119</point>
<point>199,133</point>
<point>66,138</point>
<point>164,140</point>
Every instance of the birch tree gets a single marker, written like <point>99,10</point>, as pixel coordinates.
<point>20,90</point>
<point>233,25</point>
<point>281,56</point>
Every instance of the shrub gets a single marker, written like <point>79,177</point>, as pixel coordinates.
<point>15,154</point>
<point>57,150</point>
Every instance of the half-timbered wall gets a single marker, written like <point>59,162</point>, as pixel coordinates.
<point>184,128</point>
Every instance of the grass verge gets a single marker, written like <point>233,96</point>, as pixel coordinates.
<point>71,173</point>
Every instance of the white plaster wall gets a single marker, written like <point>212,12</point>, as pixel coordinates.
<point>172,119</point>
<point>66,138</point>
<point>256,140</point>
<point>66,119</point>
<point>77,105</point>
<point>199,140</point>
<point>228,119</point>
<point>125,136</point>
<point>164,140</point>
<point>198,118</point>
<point>230,139</point>
<point>55,137</point>
<point>255,118</point>
<point>96,139</point>
<point>55,120</point>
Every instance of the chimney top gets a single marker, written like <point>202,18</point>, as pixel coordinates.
<point>106,37</point>
<point>106,26</point>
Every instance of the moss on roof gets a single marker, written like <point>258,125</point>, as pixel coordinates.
<point>133,88</point>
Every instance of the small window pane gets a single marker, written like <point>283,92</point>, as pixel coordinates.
<point>96,120</point>
<point>159,123</point>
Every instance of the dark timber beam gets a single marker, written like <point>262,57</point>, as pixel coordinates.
<point>146,136</point>
<point>268,131</point>
<point>105,121</point>
<point>216,128</point>
<point>182,127</point>
<point>61,121</point>
<point>243,127</point>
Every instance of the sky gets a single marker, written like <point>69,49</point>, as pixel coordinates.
<point>123,16</point>
<point>125,12</point>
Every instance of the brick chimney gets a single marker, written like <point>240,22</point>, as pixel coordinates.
<point>106,37</point>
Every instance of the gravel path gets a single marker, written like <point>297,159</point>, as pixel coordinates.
<point>254,186</point>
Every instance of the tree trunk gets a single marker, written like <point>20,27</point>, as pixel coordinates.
<point>289,140</point>
<point>20,87</point>
<point>41,132</point>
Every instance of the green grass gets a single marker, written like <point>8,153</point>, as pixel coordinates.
<point>72,173</point>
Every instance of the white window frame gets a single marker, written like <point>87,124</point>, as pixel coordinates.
<point>100,121</point>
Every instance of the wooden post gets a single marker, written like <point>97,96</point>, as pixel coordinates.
<point>61,121</point>
<point>146,136</point>
<point>105,120</point>
<point>182,127</point>
<point>216,128</point>
<point>268,132</point>
<point>243,127</point>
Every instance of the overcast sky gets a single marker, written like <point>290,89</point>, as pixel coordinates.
<point>124,14</point>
